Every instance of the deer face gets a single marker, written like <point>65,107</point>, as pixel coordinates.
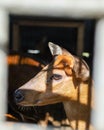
<point>54,83</point>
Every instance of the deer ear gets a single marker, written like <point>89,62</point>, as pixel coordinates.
<point>81,69</point>
<point>55,49</point>
<point>79,66</point>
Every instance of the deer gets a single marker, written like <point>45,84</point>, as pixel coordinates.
<point>66,79</point>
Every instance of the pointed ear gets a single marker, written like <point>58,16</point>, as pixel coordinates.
<point>69,62</point>
<point>81,69</point>
<point>55,49</point>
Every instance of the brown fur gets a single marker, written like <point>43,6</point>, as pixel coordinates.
<point>74,89</point>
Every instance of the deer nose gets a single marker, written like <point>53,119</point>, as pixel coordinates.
<point>18,96</point>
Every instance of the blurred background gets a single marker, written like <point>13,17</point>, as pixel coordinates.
<point>29,37</point>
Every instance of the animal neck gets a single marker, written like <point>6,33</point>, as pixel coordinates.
<point>78,109</point>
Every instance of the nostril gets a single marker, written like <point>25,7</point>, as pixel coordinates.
<point>18,96</point>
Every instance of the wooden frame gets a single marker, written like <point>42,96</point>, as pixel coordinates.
<point>79,25</point>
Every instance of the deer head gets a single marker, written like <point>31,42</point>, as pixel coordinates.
<point>56,82</point>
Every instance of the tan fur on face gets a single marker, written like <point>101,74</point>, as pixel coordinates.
<point>74,88</point>
<point>64,62</point>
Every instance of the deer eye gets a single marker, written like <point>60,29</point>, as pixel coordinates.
<point>56,76</point>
